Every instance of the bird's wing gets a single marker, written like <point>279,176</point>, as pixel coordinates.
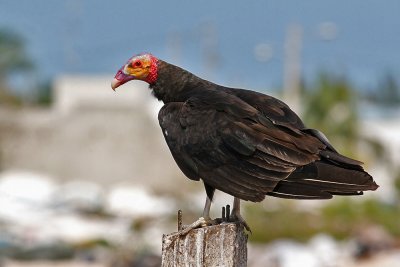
<point>175,135</point>
<point>281,115</point>
<point>274,109</point>
<point>232,146</point>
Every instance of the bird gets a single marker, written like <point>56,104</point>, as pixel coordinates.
<point>245,143</point>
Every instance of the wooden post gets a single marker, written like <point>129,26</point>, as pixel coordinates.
<point>218,245</point>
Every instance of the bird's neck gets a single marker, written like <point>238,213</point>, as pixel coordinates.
<point>175,84</point>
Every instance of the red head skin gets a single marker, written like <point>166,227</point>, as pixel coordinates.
<point>140,67</point>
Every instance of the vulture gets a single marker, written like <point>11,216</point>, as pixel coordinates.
<point>244,143</point>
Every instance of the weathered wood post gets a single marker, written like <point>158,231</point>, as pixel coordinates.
<point>224,244</point>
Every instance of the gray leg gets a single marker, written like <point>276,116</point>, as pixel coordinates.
<point>206,211</point>
<point>236,216</point>
<point>236,206</point>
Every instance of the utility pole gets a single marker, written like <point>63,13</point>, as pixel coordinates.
<point>292,67</point>
<point>174,47</point>
<point>209,43</point>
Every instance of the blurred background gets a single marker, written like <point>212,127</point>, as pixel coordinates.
<point>86,178</point>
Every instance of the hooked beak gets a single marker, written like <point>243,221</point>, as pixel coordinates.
<point>115,83</point>
<point>120,78</point>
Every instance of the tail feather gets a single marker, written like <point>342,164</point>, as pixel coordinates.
<point>340,160</point>
<point>322,179</point>
<point>292,190</point>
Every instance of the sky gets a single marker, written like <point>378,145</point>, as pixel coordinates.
<point>361,37</point>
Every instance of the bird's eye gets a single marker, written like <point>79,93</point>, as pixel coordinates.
<point>137,63</point>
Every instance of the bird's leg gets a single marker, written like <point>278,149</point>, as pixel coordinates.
<point>206,210</point>
<point>236,216</point>
<point>203,221</point>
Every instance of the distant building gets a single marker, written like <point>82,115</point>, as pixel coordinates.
<point>74,91</point>
<point>90,133</point>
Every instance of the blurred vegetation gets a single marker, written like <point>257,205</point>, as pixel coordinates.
<point>13,58</point>
<point>13,54</point>
<point>45,94</point>
<point>340,218</point>
<point>331,105</point>
<point>387,94</point>
<point>396,176</point>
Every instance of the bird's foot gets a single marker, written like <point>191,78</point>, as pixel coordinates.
<point>201,222</point>
<point>237,218</point>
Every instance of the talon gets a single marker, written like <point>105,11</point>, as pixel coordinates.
<point>200,223</point>
<point>207,223</point>
<point>237,218</point>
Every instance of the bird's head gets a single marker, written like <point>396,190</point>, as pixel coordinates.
<point>140,67</point>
